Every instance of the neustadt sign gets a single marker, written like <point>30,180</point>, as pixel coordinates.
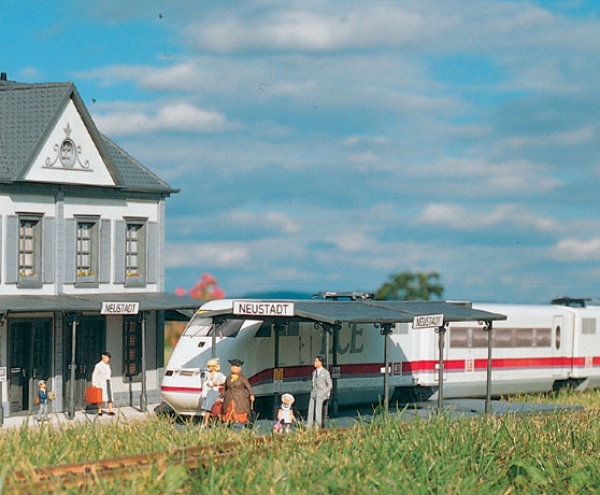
<point>428,321</point>
<point>263,308</point>
<point>120,308</point>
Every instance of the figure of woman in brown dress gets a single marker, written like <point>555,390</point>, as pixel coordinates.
<point>238,395</point>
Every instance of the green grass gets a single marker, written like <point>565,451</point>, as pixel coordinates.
<point>550,453</point>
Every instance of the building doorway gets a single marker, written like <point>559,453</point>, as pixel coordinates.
<point>90,339</point>
<point>29,359</point>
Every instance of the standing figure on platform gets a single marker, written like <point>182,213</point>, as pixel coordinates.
<point>319,395</point>
<point>238,396</point>
<point>101,378</point>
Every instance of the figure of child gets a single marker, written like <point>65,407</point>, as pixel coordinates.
<point>285,414</point>
<point>42,396</point>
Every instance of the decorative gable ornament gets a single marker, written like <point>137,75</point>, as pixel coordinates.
<point>68,153</point>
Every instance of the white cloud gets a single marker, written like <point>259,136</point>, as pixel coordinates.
<point>217,254</point>
<point>573,249</point>
<point>460,218</point>
<point>312,30</point>
<point>175,116</point>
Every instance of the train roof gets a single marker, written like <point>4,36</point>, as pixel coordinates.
<point>356,311</point>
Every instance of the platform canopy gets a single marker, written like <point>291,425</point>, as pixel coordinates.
<point>331,312</point>
<point>367,311</point>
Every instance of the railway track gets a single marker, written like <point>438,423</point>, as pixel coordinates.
<point>84,475</point>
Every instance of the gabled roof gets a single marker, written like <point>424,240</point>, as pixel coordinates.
<point>29,112</point>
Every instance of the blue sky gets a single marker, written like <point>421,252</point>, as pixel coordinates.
<point>325,145</point>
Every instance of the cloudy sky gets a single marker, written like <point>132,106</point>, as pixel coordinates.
<point>324,145</point>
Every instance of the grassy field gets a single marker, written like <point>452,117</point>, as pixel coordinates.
<point>552,453</point>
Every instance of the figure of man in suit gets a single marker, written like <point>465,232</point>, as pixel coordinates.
<point>321,388</point>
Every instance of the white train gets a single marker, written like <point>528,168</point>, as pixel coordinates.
<point>537,348</point>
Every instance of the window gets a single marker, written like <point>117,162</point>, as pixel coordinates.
<point>87,251</point>
<point>135,254</point>
<point>132,347</point>
<point>30,251</point>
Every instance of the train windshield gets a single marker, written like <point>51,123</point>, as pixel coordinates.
<point>203,327</point>
<point>198,327</point>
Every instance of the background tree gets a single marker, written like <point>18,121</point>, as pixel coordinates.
<point>409,286</point>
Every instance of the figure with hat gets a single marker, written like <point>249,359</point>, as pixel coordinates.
<point>213,380</point>
<point>285,414</point>
<point>238,396</point>
<point>101,378</point>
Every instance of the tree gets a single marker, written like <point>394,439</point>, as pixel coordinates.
<point>409,286</point>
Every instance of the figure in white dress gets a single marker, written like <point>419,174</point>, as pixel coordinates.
<point>101,378</point>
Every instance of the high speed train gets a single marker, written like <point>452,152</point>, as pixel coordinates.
<point>537,348</point>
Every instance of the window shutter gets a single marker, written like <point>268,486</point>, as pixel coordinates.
<point>152,253</point>
<point>12,249</point>
<point>120,233</point>
<point>70,254</point>
<point>104,271</point>
<point>48,249</point>
<point>0,247</point>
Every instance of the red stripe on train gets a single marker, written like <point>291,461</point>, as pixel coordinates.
<point>181,390</point>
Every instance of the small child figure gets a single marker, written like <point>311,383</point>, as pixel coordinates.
<point>42,396</point>
<point>285,414</point>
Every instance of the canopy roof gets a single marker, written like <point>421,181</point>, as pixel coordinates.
<point>93,302</point>
<point>373,311</point>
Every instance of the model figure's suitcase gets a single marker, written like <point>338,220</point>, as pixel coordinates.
<point>93,395</point>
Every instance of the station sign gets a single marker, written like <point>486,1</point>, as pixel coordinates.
<point>120,308</point>
<point>263,308</point>
<point>428,321</point>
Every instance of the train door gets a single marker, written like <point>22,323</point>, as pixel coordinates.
<point>90,341</point>
<point>29,359</point>
<point>558,345</point>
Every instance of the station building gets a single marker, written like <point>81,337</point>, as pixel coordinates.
<point>82,229</point>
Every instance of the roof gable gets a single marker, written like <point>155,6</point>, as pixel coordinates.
<point>47,135</point>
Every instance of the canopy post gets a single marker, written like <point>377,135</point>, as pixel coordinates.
<point>488,386</point>
<point>385,329</point>
<point>441,331</point>
<point>277,329</point>
<point>335,375</point>
<point>144,394</point>
<point>73,319</point>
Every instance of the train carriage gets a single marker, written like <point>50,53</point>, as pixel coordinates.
<point>537,348</point>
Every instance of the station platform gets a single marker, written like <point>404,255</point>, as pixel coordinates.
<point>344,419</point>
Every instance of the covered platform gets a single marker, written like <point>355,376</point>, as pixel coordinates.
<point>328,313</point>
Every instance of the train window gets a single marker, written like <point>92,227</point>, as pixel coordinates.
<point>524,337</point>
<point>557,338</point>
<point>459,337</point>
<point>503,337</point>
<point>264,331</point>
<point>229,328</point>
<point>479,337</point>
<point>588,326</point>
<point>543,337</point>
<point>198,327</point>
<point>293,329</point>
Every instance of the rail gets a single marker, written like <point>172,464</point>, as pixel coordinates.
<point>84,475</point>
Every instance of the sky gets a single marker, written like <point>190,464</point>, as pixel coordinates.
<point>325,145</point>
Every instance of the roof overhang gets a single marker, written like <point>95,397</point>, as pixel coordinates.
<point>93,302</point>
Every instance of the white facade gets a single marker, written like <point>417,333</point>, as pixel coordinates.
<point>79,219</point>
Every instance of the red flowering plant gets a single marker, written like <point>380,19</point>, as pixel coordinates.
<point>206,289</point>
